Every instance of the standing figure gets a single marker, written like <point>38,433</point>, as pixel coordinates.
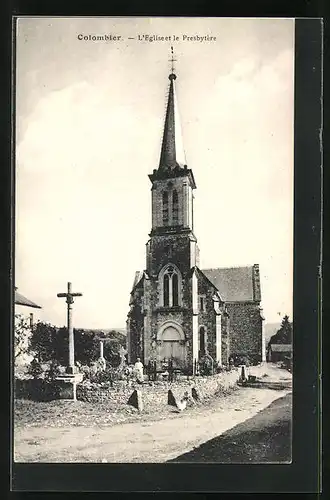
<point>138,370</point>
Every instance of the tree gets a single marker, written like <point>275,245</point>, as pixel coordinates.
<point>52,344</point>
<point>43,341</point>
<point>22,336</point>
<point>284,334</point>
<point>86,346</point>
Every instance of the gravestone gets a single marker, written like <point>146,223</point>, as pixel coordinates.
<point>243,376</point>
<point>195,394</point>
<point>135,400</point>
<point>171,399</point>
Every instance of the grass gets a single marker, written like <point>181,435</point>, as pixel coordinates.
<point>61,413</point>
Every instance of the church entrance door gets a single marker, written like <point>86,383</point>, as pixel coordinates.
<point>172,345</point>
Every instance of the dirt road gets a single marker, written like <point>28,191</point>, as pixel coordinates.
<point>151,441</point>
<point>263,438</point>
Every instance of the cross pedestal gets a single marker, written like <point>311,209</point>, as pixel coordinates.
<point>67,385</point>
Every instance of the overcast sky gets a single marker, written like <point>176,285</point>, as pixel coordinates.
<point>89,118</point>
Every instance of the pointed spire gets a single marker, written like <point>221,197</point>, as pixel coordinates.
<point>172,153</point>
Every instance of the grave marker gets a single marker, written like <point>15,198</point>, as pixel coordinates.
<point>135,400</point>
<point>171,399</point>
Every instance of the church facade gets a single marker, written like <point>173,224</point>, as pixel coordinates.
<point>177,310</point>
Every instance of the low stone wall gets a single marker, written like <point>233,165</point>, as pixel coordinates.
<point>35,389</point>
<point>155,394</point>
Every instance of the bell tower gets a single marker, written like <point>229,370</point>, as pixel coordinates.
<point>172,189</point>
<point>169,295</point>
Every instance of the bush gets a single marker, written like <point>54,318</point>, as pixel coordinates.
<point>35,369</point>
<point>52,372</point>
<point>205,367</point>
<point>110,375</point>
<point>241,359</point>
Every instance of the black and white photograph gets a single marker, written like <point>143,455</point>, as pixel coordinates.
<point>154,179</point>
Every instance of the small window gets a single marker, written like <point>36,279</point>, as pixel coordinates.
<point>202,341</point>
<point>166,290</point>
<point>175,290</point>
<point>202,303</point>
<point>175,207</point>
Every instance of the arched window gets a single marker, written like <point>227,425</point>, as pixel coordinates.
<point>165,208</point>
<point>175,207</point>
<point>170,282</point>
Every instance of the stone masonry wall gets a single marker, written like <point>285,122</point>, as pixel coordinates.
<point>208,317</point>
<point>174,248</point>
<point>163,250</point>
<point>245,329</point>
<point>156,394</point>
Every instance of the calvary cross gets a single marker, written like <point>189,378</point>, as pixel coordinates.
<point>69,300</point>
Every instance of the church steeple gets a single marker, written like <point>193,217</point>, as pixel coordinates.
<point>173,182</point>
<point>172,152</point>
<point>172,161</point>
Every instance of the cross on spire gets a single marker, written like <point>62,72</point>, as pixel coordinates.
<point>172,60</point>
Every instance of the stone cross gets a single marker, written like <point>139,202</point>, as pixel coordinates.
<point>69,300</point>
<point>101,348</point>
<point>122,354</point>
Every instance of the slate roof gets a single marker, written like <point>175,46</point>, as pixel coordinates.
<point>20,300</point>
<point>281,347</point>
<point>234,283</point>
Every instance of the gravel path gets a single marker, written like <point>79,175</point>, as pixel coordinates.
<point>141,441</point>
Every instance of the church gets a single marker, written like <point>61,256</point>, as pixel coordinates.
<point>178,311</point>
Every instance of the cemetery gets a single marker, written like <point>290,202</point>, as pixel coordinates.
<point>82,380</point>
<point>123,384</point>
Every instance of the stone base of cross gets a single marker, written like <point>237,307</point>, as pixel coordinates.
<point>101,364</point>
<point>67,385</point>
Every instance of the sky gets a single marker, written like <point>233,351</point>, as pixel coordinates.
<point>89,122</point>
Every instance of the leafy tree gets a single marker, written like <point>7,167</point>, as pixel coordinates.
<point>86,346</point>
<point>43,341</point>
<point>22,336</point>
<point>52,343</point>
<point>61,346</point>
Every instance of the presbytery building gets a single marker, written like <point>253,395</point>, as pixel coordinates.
<point>177,310</point>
